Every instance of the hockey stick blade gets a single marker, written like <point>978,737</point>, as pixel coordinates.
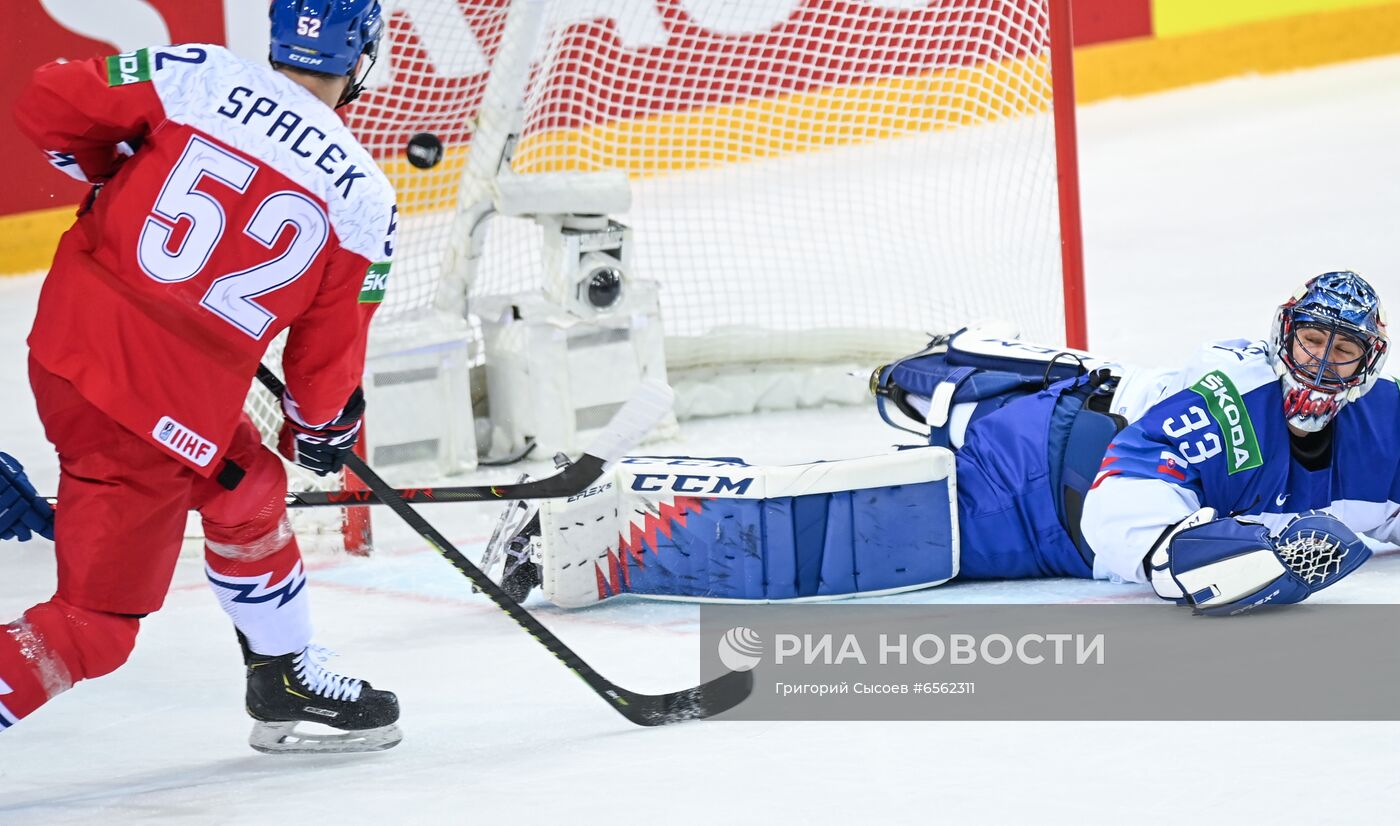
<point>707,699</point>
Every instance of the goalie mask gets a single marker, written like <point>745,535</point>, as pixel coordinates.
<point>1329,344</point>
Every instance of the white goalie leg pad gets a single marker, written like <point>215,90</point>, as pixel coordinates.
<point>720,530</point>
<point>577,536</point>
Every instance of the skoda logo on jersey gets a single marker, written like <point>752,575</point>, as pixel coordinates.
<point>1228,410</point>
<point>375,283</point>
<point>740,649</point>
<point>129,67</point>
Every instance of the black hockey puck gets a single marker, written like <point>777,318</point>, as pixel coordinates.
<point>424,150</point>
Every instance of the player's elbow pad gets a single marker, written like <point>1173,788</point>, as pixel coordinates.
<point>1226,566</point>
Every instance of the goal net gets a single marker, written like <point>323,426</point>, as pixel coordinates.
<point>811,180</point>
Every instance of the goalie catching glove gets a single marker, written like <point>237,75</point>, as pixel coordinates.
<point>321,449</point>
<point>1227,566</point>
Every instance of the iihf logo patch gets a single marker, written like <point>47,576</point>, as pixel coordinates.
<point>184,441</point>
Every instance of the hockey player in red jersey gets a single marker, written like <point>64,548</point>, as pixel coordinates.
<point>229,203</point>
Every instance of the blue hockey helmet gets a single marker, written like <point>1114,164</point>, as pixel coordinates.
<point>327,36</point>
<point>1318,379</point>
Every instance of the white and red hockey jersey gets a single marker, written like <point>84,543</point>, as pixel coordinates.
<point>235,204</point>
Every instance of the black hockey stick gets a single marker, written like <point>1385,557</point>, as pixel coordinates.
<point>571,480</point>
<point>705,700</point>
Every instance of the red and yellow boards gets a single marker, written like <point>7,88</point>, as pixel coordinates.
<point>1123,47</point>
<point>1135,47</point>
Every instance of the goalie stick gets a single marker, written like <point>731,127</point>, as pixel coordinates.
<point>638,415</point>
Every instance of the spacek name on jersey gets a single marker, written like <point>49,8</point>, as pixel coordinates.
<point>285,125</point>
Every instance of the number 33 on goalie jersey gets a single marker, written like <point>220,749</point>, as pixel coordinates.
<point>1223,442</point>
<point>235,204</point>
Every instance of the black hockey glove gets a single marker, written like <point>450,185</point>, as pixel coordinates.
<point>323,449</point>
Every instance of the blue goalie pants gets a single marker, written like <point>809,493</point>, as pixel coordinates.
<point>1016,469</point>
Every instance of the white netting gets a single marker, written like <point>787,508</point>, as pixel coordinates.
<point>810,178</point>
<point>1313,556</point>
<point>819,180</point>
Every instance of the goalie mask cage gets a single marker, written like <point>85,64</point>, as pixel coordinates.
<point>811,180</point>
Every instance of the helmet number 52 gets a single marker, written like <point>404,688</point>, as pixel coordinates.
<point>230,296</point>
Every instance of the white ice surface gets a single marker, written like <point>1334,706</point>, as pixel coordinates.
<point>1202,208</point>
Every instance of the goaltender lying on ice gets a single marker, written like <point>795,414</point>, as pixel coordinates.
<point>1238,480</point>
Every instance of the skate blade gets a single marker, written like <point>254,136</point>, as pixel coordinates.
<point>284,738</point>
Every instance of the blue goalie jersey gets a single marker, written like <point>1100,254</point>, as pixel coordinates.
<point>1223,442</point>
